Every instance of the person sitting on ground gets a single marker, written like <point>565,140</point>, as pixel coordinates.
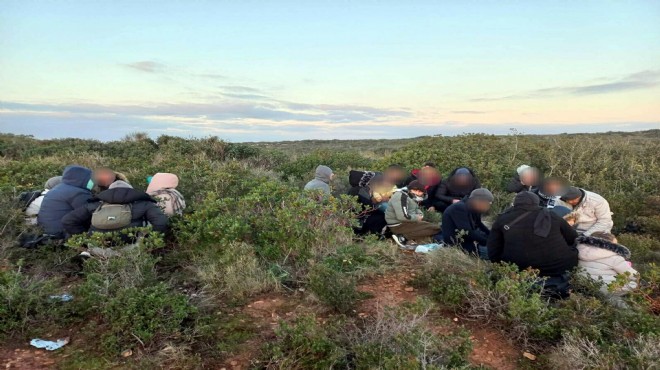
<point>594,211</point>
<point>405,218</point>
<point>550,191</point>
<point>462,225</point>
<point>527,178</point>
<point>322,178</point>
<point>603,259</point>
<point>431,178</point>
<point>395,174</point>
<point>117,208</point>
<point>34,204</point>
<point>373,194</point>
<point>73,192</point>
<point>414,174</point>
<point>460,183</point>
<point>531,236</point>
<point>162,188</point>
<point>104,177</point>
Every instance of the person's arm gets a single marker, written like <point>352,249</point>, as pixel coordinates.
<point>77,221</point>
<point>441,193</point>
<point>603,219</point>
<point>155,216</point>
<point>567,231</point>
<point>514,186</point>
<point>461,219</point>
<point>400,206</point>
<point>495,243</point>
<point>80,200</point>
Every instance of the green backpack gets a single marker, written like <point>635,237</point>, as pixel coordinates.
<point>112,216</point>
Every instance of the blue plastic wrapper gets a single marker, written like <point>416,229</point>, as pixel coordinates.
<point>49,345</point>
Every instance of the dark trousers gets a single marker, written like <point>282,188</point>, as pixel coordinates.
<point>417,231</point>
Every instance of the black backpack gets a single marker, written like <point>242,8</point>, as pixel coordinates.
<point>27,197</point>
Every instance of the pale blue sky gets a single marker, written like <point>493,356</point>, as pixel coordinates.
<point>257,70</point>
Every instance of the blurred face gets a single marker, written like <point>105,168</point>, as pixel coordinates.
<point>429,176</point>
<point>394,175</point>
<point>530,177</point>
<point>553,188</point>
<point>104,177</point>
<point>462,179</point>
<point>573,202</point>
<point>480,206</point>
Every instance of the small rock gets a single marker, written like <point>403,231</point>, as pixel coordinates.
<point>491,352</point>
<point>529,356</point>
<point>455,319</point>
<point>127,353</point>
<point>233,363</point>
<point>410,289</point>
<point>258,302</point>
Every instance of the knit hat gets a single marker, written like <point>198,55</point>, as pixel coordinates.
<point>571,193</point>
<point>416,185</point>
<point>120,184</point>
<point>462,171</point>
<point>53,182</point>
<point>560,211</point>
<point>482,194</point>
<point>522,169</point>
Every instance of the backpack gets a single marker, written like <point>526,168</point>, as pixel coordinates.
<point>27,197</point>
<point>112,216</point>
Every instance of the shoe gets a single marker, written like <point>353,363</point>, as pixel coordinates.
<point>400,241</point>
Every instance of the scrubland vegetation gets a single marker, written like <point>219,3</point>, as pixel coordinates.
<point>179,300</point>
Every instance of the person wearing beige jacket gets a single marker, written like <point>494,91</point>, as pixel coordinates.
<point>603,259</point>
<point>593,210</point>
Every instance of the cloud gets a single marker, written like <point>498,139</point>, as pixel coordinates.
<point>469,111</point>
<point>148,66</point>
<point>635,81</point>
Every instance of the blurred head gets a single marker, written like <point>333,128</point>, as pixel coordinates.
<point>462,176</point>
<point>429,176</point>
<point>553,187</point>
<point>480,200</point>
<point>103,177</point>
<point>529,176</point>
<point>572,196</point>
<point>394,174</point>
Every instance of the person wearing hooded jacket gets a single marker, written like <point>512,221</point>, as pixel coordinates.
<point>32,210</point>
<point>602,258</point>
<point>73,192</point>
<point>531,236</point>
<point>459,184</point>
<point>593,211</point>
<point>162,187</point>
<point>322,178</point>
<point>464,218</point>
<point>527,178</point>
<point>143,210</point>
<point>405,217</point>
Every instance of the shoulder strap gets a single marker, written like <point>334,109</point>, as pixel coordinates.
<point>404,205</point>
<point>507,227</point>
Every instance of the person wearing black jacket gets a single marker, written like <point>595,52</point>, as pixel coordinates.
<point>460,183</point>
<point>530,236</point>
<point>461,222</point>
<point>527,178</point>
<point>143,209</point>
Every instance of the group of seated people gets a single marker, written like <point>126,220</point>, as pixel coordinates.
<point>82,200</point>
<point>550,226</point>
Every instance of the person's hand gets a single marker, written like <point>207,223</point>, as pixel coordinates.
<point>432,209</point>
<point>455,201</point>
<point>420,217</point>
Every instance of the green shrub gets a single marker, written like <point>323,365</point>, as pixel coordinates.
<point>334,288</point>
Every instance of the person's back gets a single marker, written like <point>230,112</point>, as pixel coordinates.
<point>322,178</point>
<point>530,236</point>
<point>73,192</point>
<point>401,208</point>
<point>162,188</point>
<point>602,258</point>
<point>109,211</point>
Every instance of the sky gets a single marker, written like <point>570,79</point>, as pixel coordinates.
<point>289,70</point>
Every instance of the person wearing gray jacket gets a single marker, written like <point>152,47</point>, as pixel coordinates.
<point>593,210</point>
<point>321,180</point>
<point>405,218</point>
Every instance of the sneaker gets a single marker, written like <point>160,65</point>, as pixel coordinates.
<point>399,240</point>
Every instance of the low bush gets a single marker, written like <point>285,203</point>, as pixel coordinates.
<point>334,288</point>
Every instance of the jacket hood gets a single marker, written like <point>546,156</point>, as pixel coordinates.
<point>323,173</point>
<point>163,180</point>
<point>604,244</point>
<point>527,200</point>
<point>77,176</point>
<point>122,196</point>
<point>53,182</point>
